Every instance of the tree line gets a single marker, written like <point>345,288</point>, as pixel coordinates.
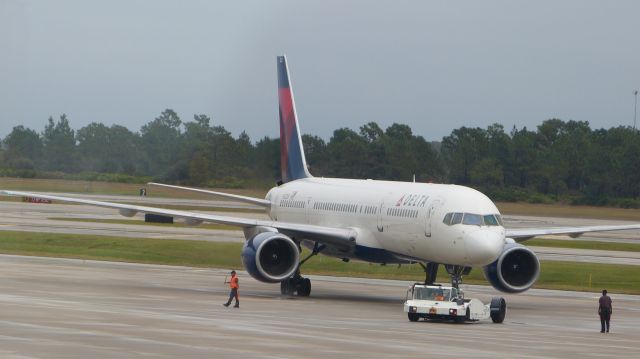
<point>558,161</point>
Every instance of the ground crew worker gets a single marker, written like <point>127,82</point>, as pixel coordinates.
<point>604,309</point>
<point>233,284</point>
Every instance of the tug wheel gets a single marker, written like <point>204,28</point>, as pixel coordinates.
<point>498,309</point>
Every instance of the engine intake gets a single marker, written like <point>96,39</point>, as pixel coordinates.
<point>515,271</point>
<point>270,257</point>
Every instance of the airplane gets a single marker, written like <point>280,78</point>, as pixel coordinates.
<point>367,220</point>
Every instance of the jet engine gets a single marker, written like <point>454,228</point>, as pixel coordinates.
<point>270,257</point>
<point>515,271</point>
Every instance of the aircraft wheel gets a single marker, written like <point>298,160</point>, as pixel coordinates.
<point>465,318</point>
<point>305,287</point>
<point>498,309</point>
<point>286,287</point>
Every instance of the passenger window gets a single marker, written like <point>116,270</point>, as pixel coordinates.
<point>472,219</point>
<point>490,220</point>
<point>447,219</point>
<point>457,218</point>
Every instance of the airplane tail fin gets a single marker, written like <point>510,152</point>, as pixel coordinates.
<point>293,164</point>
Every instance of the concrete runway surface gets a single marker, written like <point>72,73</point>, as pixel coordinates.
<point>62,308</point>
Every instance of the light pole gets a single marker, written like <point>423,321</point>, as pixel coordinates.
<point>635,109</point>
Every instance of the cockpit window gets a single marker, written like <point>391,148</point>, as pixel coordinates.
<point>490,220</point>
<point>457,218</point>
<point>472,219</point>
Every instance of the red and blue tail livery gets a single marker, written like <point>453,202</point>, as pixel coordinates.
<point>293,165</point>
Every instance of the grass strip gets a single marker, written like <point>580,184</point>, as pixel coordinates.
<point>568,211</point>
<point>112,188</point>
<point>139,222</point>
<point>554,275</point>
<point>122,249</point>
<point>578,244</point>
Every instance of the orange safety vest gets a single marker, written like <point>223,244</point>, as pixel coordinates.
<point>233,283</point>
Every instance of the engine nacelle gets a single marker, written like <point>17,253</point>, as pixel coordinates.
<point>515,271</point>
<point>270,257</point>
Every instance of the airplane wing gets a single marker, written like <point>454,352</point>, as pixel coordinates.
<point>343,238</point>
<point>523,234</point>
<point>252,200</point>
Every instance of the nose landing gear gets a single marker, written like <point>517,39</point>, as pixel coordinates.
<point>456,273</point>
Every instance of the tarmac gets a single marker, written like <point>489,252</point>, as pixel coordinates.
<point>65,308</point>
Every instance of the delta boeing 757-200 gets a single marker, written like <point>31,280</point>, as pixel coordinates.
<point>367,220</point>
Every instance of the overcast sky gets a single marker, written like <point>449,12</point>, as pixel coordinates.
<point>434,65</point>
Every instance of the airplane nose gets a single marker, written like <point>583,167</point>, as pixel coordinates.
<point>483,247</point>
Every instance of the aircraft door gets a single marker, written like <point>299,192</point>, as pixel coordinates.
<point>380,219</point>
<point>308,210</point>
<point>275,205</point>
<point>430,218</point>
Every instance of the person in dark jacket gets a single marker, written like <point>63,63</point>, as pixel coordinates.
<point>604,309</point>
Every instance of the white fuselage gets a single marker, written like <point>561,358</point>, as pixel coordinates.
<point>403,220</point>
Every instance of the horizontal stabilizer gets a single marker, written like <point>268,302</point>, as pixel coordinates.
<point>235,197</point>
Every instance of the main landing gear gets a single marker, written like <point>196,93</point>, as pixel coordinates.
<point>456,273</point>
<point>297,284</point>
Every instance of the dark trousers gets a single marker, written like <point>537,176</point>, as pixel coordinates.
<point>604,321</point>
<point>233,294</point>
